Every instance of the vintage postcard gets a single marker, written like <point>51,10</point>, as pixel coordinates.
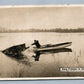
<point>41,42</point>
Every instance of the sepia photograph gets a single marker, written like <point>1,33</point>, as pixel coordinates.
<point>41,41</point>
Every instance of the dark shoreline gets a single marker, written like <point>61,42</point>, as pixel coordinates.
<point>57,30</point>
<point>41,32</point>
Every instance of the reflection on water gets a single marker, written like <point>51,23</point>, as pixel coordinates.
<point>37,54</point>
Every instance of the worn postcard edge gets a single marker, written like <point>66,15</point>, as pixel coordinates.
<point>42,78</point>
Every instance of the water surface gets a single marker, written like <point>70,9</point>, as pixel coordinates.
<point>49,63</point>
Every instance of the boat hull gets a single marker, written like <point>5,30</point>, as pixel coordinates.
<point>53,47</point>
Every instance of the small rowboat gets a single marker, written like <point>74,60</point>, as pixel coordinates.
<point>52,47</point>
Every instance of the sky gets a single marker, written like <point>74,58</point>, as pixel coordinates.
<point>41,17</point>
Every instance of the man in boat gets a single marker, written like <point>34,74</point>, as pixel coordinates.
<point>36,42</point>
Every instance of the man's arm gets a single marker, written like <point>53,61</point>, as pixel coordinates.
<point>33,44</point>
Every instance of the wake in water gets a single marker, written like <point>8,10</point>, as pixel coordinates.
<point>22,53</point>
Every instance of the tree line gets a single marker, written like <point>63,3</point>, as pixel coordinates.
<point>60,30</point>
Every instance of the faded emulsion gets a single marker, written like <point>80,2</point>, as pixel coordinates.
<point>41,41</point>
